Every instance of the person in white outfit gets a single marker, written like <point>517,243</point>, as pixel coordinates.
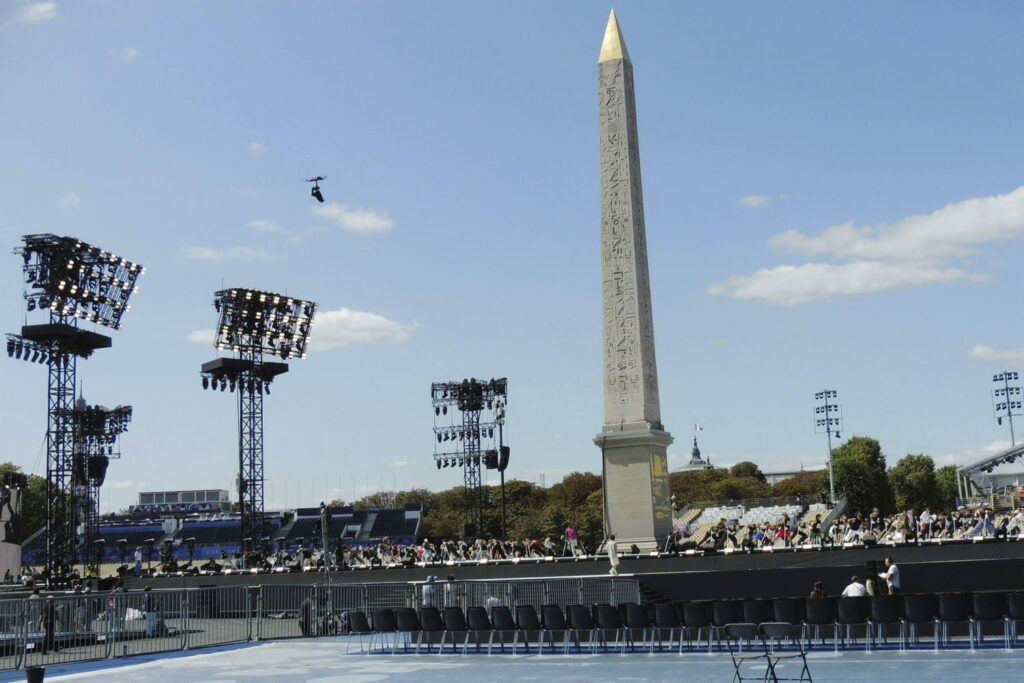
<point>613,555</point>
<point>856,589</point>
<point>891,576</point>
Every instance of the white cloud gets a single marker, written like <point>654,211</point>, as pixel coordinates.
<point>266,225</point>
<point>971,455</point>
<point>795,285</point>
<point>357,221</point>
<point>933,238</point>
<point>340,329</point>
<point>230,254</point>
<point>201,337</point>
<point>754,201</point>
<point>401,464</point>
<point>913,251</point>
<point>989,355</point>
<point>34,13</point>
<point>344,327</point>
<point>128,54</point>
<point>291,236</point>
<point>257,148</point>
<point>69,202</point>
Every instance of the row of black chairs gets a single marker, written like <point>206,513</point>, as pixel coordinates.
<point>656,626</point>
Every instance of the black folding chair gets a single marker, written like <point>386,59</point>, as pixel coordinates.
<point>358,626</point>
<point>734,636</point>
<point>989,607</point>
<point>579,621</point>
<point>637,619</point>
<point>383,621</point>
<point>431,622</point>
<point>1014,613</point>
<point>821,612</point>
<point>407,622</point>
<point>695,617</point>
<point>454,622</point>
<point>608,620</point>
<point>478,624</point>
<point>501,620</point>
<point>793,611</point>
<point>954,607</point>
<point>776,632</point>
<point>885,611</point>
<point>553,620</point>
<point>666,617</point>
<point>850,613</point>
<point>921,609</point>
<point>526,621</point>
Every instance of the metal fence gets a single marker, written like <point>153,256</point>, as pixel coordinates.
<point>59,629</point>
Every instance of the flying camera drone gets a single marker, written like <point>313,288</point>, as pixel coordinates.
<point>315,190</point>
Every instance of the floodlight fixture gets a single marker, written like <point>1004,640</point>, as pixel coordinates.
<point>1006,400</point>
<point>75,279</point>
<point>828,419</point>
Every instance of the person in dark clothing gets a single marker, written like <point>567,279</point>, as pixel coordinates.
<point>49,625</point>
<point>306,617</point>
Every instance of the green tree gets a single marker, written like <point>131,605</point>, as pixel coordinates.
<point>690,487</point>
<point>33,502</point>
<point>913,483</point>
<point>735,488</point>
<point>809,484</point>
<point>859,469</point>
<point>946,487</point>
<point>748,469</point>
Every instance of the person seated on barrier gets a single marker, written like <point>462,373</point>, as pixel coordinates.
<point>801,534</point>
<point>1001,528</point>
<point>815,533</point>
<point>211,566</point>
<point>853,530</point>
<point>1016,524</point>
<point>875,522</point>
<point>855,589</point>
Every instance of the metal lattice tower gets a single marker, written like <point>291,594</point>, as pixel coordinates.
<point>96,435</point>
<point>71,281</point>
<point>255,324</point>
<point>468,438</point>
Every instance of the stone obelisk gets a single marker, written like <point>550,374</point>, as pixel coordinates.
<point>633,442</point>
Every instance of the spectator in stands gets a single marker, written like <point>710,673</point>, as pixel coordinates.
<point>891,576</point>
<point>856,589</point>
<point>817,591</point>
<point>853,530</point>
<point>815,534</point>
<point>875,522</point>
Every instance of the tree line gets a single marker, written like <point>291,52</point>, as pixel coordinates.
<point>533,511</point>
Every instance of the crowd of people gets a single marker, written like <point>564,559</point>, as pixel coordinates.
<point>901,527</point>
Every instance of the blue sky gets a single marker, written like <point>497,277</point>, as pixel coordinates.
<point>833,199</point>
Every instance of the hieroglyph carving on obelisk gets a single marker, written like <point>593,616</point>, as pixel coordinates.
<point>630,369</point>
<point>633,441</point>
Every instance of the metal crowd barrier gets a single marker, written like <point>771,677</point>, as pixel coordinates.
<point>60,629</point>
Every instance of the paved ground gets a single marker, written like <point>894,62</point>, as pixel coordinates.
<point>324,660</point>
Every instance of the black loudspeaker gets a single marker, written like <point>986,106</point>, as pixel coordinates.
<point>503,459</point>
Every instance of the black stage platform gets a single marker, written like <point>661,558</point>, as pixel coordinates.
<point>929,568</point>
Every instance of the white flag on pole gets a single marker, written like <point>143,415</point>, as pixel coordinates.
<point>697,427</point>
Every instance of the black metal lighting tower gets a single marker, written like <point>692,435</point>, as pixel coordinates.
<point>71,281</point>
<point>828,418</point>
<point>471,442</point>
<point>1006,400</point>
<point>96,439</point>
<point>254,323</point>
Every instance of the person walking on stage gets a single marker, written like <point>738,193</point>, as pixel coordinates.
<point>891,576</point>
<point>613,555</point>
